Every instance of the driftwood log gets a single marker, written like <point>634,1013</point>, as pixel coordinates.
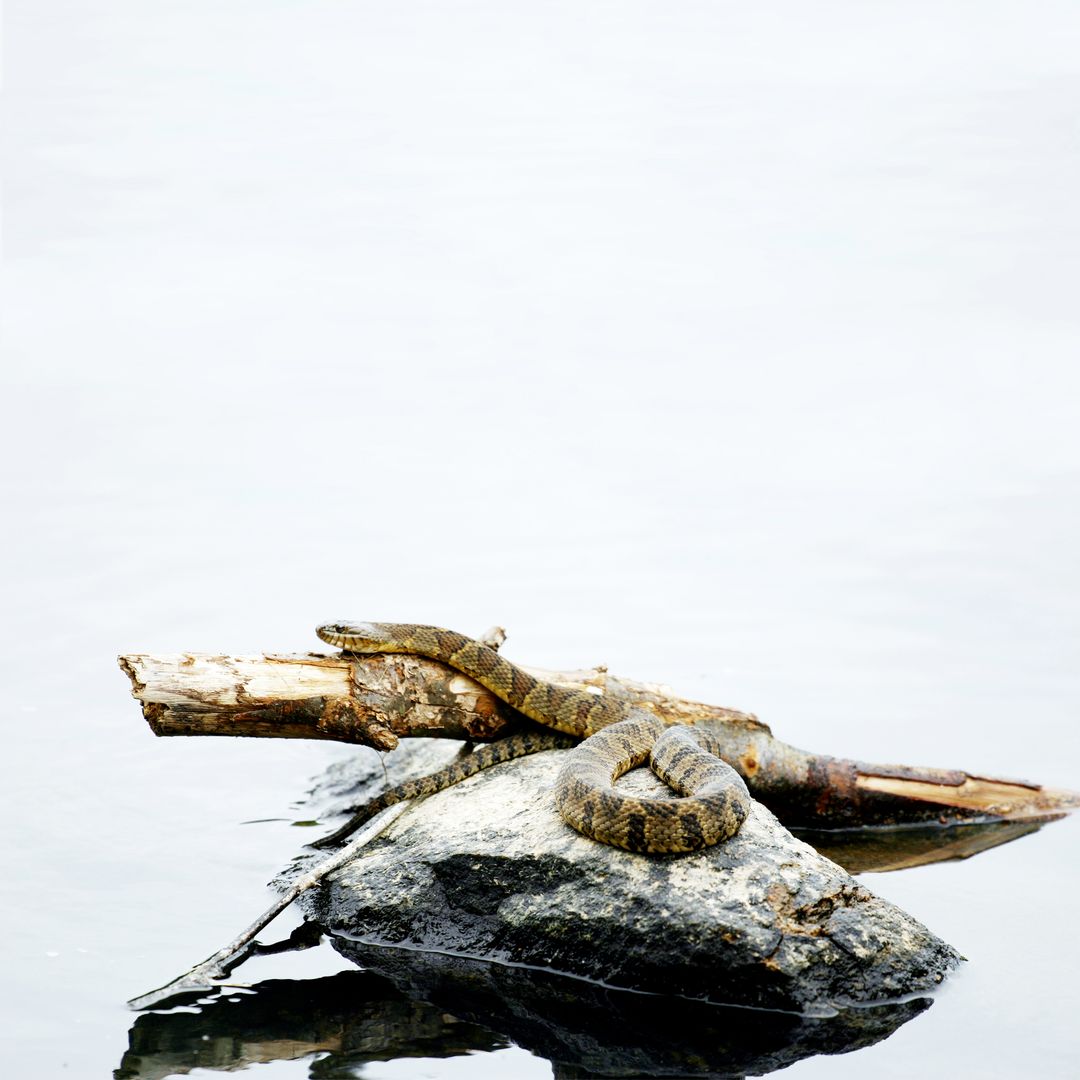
<point>377,700</point>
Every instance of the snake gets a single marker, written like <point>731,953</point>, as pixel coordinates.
<point>606,737</point>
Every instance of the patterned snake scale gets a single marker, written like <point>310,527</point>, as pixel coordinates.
<point>617,737</point>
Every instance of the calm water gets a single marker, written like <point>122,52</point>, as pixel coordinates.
<point>733,346</point>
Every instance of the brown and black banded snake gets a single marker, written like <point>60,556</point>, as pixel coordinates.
<point>614,737</point>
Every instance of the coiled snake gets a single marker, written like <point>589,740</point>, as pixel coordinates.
<point>617,737</point>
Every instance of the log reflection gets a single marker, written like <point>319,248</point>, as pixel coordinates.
<point>865,851</point>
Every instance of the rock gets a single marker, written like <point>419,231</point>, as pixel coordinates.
<point>488,870</point>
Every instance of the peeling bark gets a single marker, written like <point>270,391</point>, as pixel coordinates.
<point>372,700</point>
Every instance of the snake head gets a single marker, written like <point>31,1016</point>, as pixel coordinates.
<point>349,635</point>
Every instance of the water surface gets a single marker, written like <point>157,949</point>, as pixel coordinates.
<point>731,346</point>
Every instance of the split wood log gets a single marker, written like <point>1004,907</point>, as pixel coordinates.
<point>376,700</point>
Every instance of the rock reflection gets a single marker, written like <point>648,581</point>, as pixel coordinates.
<point>406,1004</point>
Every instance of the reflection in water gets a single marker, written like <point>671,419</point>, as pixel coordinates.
<point>864,851</point>
<point>352,1017</point>
<point>407,1004</point>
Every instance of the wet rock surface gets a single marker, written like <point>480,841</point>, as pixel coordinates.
<point>488,870</point>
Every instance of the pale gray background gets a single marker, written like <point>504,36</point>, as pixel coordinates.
<point>733,345</point>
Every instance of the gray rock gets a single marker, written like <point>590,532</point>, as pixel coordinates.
<point>488,870</point>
